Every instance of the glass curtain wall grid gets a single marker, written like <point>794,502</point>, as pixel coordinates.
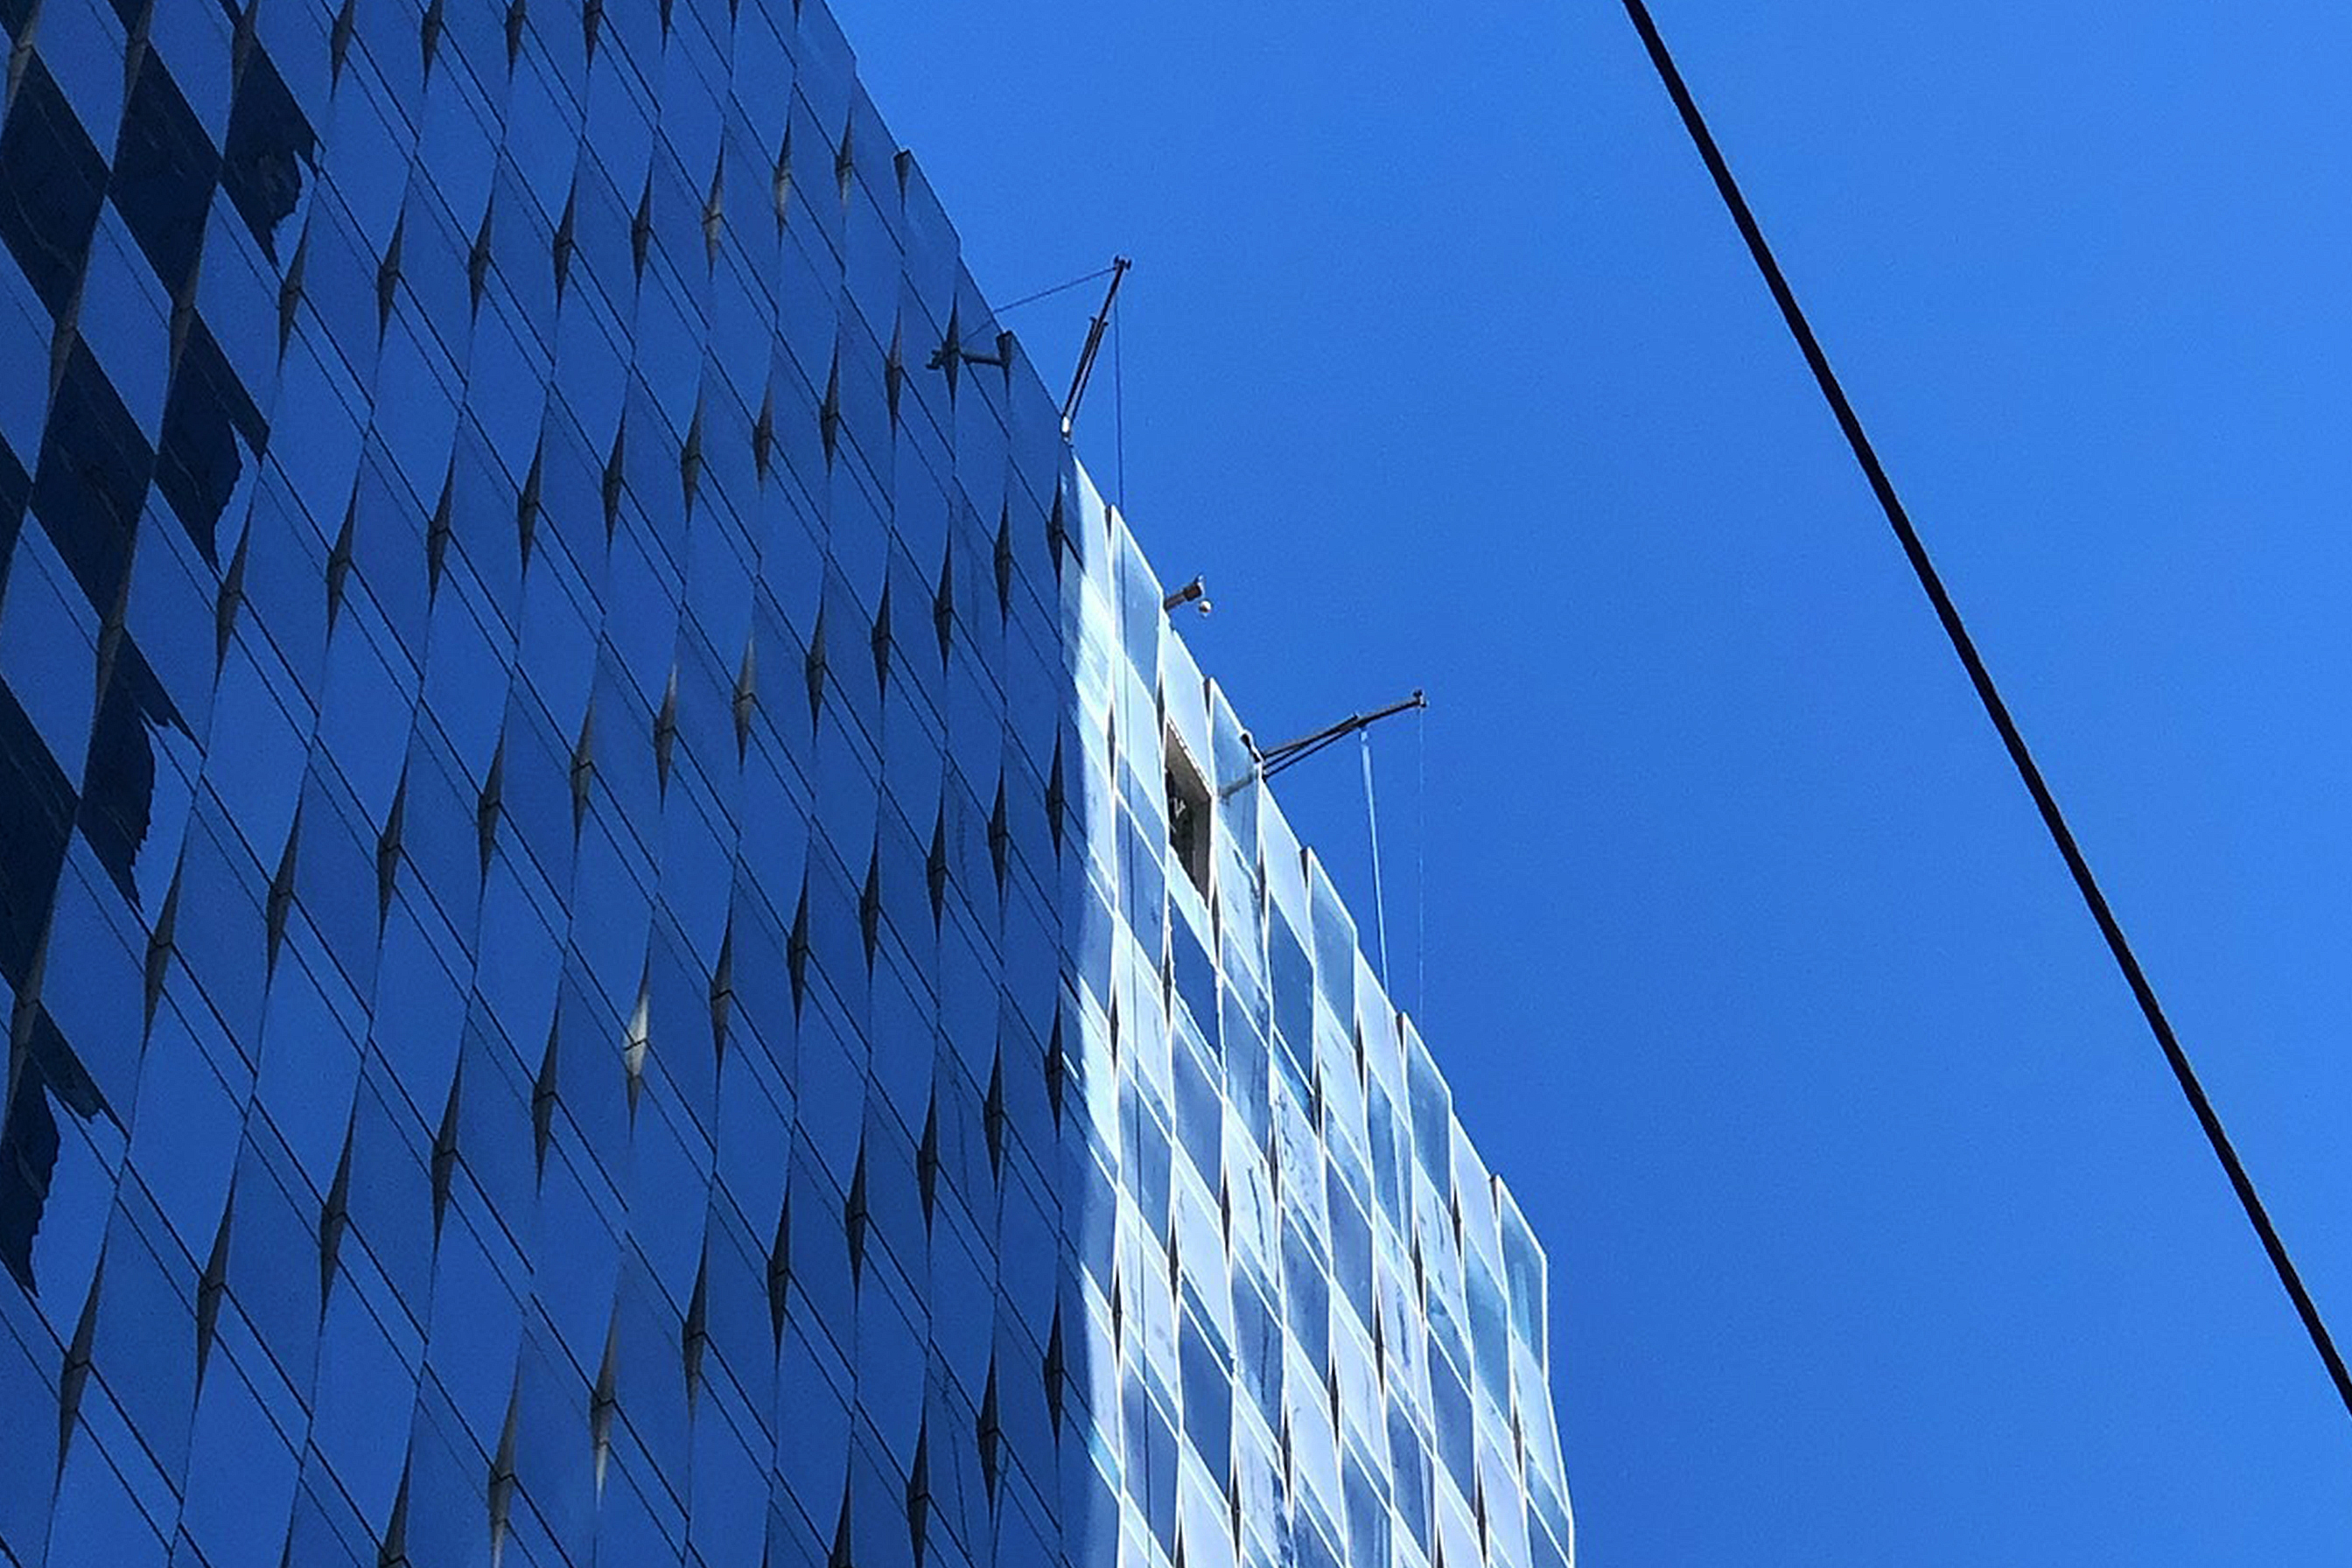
<point>594,962</point>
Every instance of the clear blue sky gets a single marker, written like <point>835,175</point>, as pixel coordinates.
<point>1878,1232</point>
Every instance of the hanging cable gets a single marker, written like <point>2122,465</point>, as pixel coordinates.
<point>1119,406</point>
<point>1421,862</point>
<point>1372,820</point>
<point>2052,819</point>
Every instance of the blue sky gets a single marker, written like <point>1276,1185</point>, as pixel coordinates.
<point>1878,1231</point>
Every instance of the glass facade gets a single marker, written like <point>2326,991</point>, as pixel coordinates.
<point>597,962</point>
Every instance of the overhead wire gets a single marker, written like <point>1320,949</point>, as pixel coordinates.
<point>1056,288</point>
<point>2054,820</point>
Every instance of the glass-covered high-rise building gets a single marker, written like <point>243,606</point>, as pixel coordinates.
<point>626,936</point>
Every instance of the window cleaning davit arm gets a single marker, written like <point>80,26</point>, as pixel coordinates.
<point>1273,759</point>
<point>1118,266</point>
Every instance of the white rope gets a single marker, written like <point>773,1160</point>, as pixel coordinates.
<point>1372,820</point>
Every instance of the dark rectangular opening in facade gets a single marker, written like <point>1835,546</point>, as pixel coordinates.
<point>1189,821</point>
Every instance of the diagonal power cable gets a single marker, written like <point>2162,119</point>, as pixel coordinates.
<point>1980,677</point>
